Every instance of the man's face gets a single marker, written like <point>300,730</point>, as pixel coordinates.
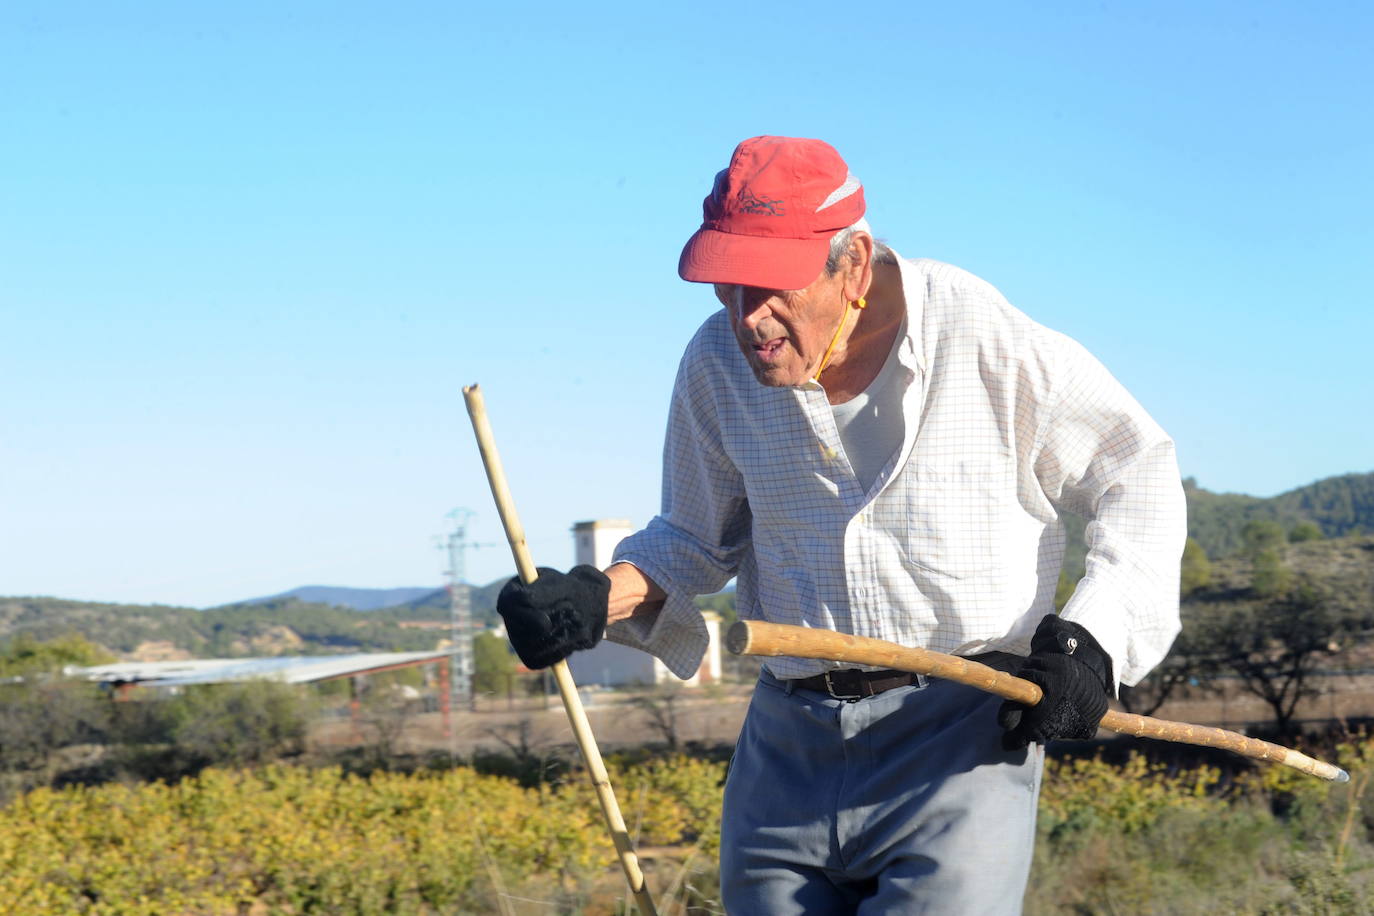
<point>783,333</point>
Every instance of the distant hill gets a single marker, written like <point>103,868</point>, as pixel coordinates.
<point>285,627</point>
<point>1337,505</point>
<point>280,625</point>
<point>359,599</point>
<point>396,603</point>
<point>435,605</point>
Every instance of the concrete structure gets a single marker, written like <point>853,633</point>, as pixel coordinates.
<point>611,664</point>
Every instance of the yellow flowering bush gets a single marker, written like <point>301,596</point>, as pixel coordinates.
<point>1141,838</point>
<point>319,841</point>
<point>1082,793</point>
<point>674,800</point>
<point>294,840</point>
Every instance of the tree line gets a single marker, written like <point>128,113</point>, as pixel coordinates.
<point>1288,605</point>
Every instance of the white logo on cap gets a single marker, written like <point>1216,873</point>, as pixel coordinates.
<point>850,186</point>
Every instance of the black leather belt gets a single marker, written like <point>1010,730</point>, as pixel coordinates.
<point>854,684</point>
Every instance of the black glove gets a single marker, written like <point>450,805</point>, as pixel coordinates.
<point>556,614</point>
<point>1076,677</point>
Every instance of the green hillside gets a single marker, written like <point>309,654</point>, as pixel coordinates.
<point>1342,569</point>
<point>287,627</point>
<point>435,606</point>
<point>117,627</point>
<point>1338,506</point>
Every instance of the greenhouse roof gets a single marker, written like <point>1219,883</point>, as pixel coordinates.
<point>288,669</point>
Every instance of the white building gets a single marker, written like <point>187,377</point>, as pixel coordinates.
<point>610,664</point>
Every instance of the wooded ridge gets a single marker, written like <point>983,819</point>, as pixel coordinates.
<point>1337,506</point>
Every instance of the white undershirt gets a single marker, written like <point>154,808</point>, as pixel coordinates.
<point>870,425</point>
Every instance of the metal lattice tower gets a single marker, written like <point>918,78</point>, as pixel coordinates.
<point>460,610</point>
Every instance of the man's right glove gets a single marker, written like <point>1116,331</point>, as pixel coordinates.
<point>556,614</point>
<point>1075,676</point>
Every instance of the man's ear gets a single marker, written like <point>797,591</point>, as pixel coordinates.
<point>858,266</point>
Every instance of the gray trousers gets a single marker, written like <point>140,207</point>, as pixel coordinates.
<point>900,803</point>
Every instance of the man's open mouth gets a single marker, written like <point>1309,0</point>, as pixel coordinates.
<point>769,349</point>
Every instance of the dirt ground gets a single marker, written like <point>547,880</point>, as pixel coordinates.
<point>709,716</point>
<point>712,716</point>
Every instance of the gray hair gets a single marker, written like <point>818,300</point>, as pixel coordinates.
<point>841,241</point>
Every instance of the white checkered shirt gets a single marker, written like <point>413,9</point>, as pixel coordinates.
<point>957,545</point>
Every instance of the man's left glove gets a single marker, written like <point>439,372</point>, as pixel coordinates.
<point>1076,677</point>
<point>556,614</point>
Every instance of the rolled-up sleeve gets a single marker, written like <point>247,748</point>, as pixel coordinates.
<point>1101,456</point>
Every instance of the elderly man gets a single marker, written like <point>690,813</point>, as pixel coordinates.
<point>882,446</point>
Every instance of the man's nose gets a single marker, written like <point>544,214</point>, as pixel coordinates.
<point>751,305</point>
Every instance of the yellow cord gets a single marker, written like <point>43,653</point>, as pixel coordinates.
<point>844,316</point>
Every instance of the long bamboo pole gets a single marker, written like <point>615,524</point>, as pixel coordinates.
<point>756,637</point>
<point>567,689</point>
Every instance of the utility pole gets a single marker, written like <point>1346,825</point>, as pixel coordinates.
<point>460,611</point>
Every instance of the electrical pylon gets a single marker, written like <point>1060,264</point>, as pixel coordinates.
<point>460,610</point>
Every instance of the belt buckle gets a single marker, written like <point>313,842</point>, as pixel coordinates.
<point>830,688</point>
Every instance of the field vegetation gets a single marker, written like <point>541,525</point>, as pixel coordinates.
<point>211,802</point>
<point>1115,837</point>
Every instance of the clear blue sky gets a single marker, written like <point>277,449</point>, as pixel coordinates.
<point>250,253</point>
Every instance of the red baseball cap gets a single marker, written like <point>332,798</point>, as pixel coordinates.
<point>770,216</point>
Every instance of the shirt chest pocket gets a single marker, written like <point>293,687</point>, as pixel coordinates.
<point>956,516</point>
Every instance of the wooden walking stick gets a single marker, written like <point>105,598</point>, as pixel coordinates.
<point>756,637</point>
<point>572,703</point>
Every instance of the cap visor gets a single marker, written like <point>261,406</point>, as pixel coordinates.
<point>711,256</point>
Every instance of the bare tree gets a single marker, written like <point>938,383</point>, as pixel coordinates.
<point>1181,667</point>
<point>535,759</point>
<point>386,710</point>
<point>660,706</point>
<point>1159,686</point>
<point>1273,644</point>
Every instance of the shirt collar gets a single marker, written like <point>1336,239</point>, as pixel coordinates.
<point>911,354</point>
